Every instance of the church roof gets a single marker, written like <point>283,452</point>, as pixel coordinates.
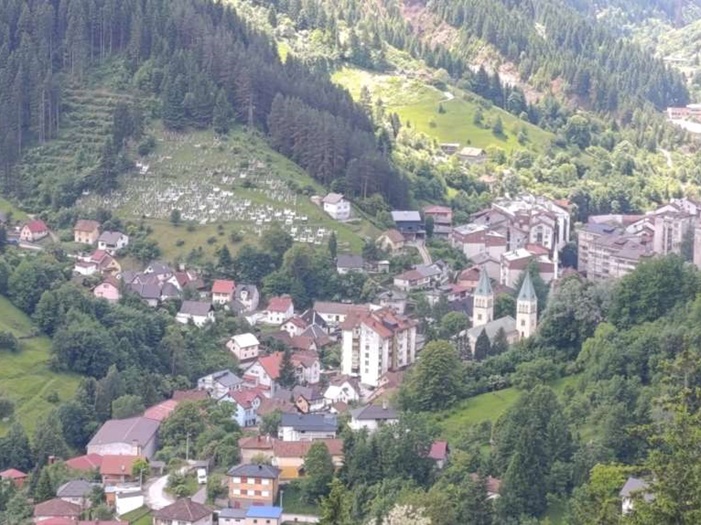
<point>484,287</point>
<point>527,292</point>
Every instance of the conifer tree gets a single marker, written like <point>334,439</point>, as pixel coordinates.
<point>482,346</point>
<point>287,378</point>
<point>223,113</point>
<point>336,507</point>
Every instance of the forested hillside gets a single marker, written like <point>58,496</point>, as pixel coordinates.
<point>200,63</point>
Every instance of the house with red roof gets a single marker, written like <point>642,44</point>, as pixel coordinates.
<point>279,310</point>
<point>162,410</point>
<point>439,453</point>
<point>56,509</point>
<point>33,231</point>
<point>14,476</point>
<point>108,290</point>
<point>116,470</point>
<point>295,325</point>
<point>247,402</point>
<point>265,370</point>
<point>223,291</point>
<point>85,463</point>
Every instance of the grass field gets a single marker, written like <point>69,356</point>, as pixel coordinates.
<point>485,407</point>
<point>25,377</point>
<point>292,502</point>
<point>140,516</point>
<point>418,103</point>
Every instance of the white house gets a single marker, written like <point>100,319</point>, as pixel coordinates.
<point>372,417</point>
<point>279,310</point>
<point>244,346</point>
<point>33,231</point>
<point>223,291</point>
<point>337,206</point>
<point>76,491</point>
<point>220,383</point>
<point>111,241</point>
<point>633,488</point>
<point>294,326</point>
<point>344,389</point>
<point>126,499</point>
<point>198,312</point>
<point>247,404</point>
<point>307,427</point>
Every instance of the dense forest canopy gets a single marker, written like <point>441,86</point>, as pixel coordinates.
<point>198,58</point>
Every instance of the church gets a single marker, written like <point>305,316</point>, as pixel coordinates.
<point>522,327</point>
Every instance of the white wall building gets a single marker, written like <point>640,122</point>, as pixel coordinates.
<point>244,346</point>
<point>336,206</point>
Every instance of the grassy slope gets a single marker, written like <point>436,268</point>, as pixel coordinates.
<point>25,377</point>
<point>417,102</point>
<point>485,407</point>
<point>195,157</point>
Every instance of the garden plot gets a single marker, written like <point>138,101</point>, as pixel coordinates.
<point>215,182</point>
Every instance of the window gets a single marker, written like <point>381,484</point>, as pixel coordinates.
<point>250,492</point>
<point>237,492</point>
<point>266,482</point>
<point>266,493</point>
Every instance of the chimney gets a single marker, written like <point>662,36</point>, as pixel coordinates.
<point>52,460</point>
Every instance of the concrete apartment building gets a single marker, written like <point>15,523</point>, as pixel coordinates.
<point>376,342</point>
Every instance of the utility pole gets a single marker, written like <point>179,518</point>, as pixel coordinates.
<point>187,447</point>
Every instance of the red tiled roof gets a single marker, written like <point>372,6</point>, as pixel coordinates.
<point>190,395</point>
<point>12,473</point>
<point>280,304</point>
<point>222,286</point>
<point>439,450</point>
<point>268,406</point>
<point>56,508</point>
<point>271,364</point>
<point>410,275</point>
<point>297,321</point>
<point>117,465</point>
<point>256,443</point>
<point>36,226</point>
<point>493,484</point>
<point>394,236</point>
<point>85,225</point>
<point>86,462</point>
<point>437,209</point>
<point>299,449</point>
<point>162,410</point>
<point>58,521</point>
<point>245,397</point>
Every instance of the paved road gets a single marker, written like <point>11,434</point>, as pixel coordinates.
<point>423,251</point>
<point>156,497</point>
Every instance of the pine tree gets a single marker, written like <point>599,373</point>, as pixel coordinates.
<point>15,451</point>
<point>223,113</point>
<point>482,346</point>
<point>336,507</point>
<point>48,440</point>
<point>44,489</point>
<point>318,470</point>
<point>287,377</point>
<point>333,246</point>
<point>500,343</point>
<point>173,112</point>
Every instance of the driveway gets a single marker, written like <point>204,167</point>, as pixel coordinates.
<point>156,497</point>
<point>299,518</point>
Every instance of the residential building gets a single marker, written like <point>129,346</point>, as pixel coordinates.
<point>86,231</point>
<point>14,476</point>
<point>376,342</point>
<point>335,313</point>
<point>372,417</point>
<point>34,230</point>
<point>247,403</point>
<point>634,488</point>
<point>527,309</point>
<point>279,310</point>
<point>183,512</point>
<point>223,291</point>
<point>608,252</point>
<point>199,313</point>
<point>440,451</point>
<point>337,206</point>
<point>246,299</point>
<point>232,516</point>
<point>268,515</point>
<point>483,301</point>
<point>108,290</point>
<point>391,241</point>
<point>307,427</point>
<point>294,326</point>
<point>76,491</point>
<point>97,262</point>
<point>346,263</point>
<point>218,384</point>
<point>308,399</point>
<point>117,469</point>
<point>408,223</point>
<point>254,484</point>
<point>493,485</point>
<point>411,280</point>
<point>87,463</point>
<point>472,155</point>
<point>133,436</point>
<point>449,148</point>
<point>475,239</point>
<point>313,319</point>
<point>256,446</point>
<point>345,389</point>
<point>244,346</point>
<point>56,509</point>
<point>393,299</point>
<point>112,241</point>
<point>442,217</point>
<point>288,456</point>
<point>127,498</point>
